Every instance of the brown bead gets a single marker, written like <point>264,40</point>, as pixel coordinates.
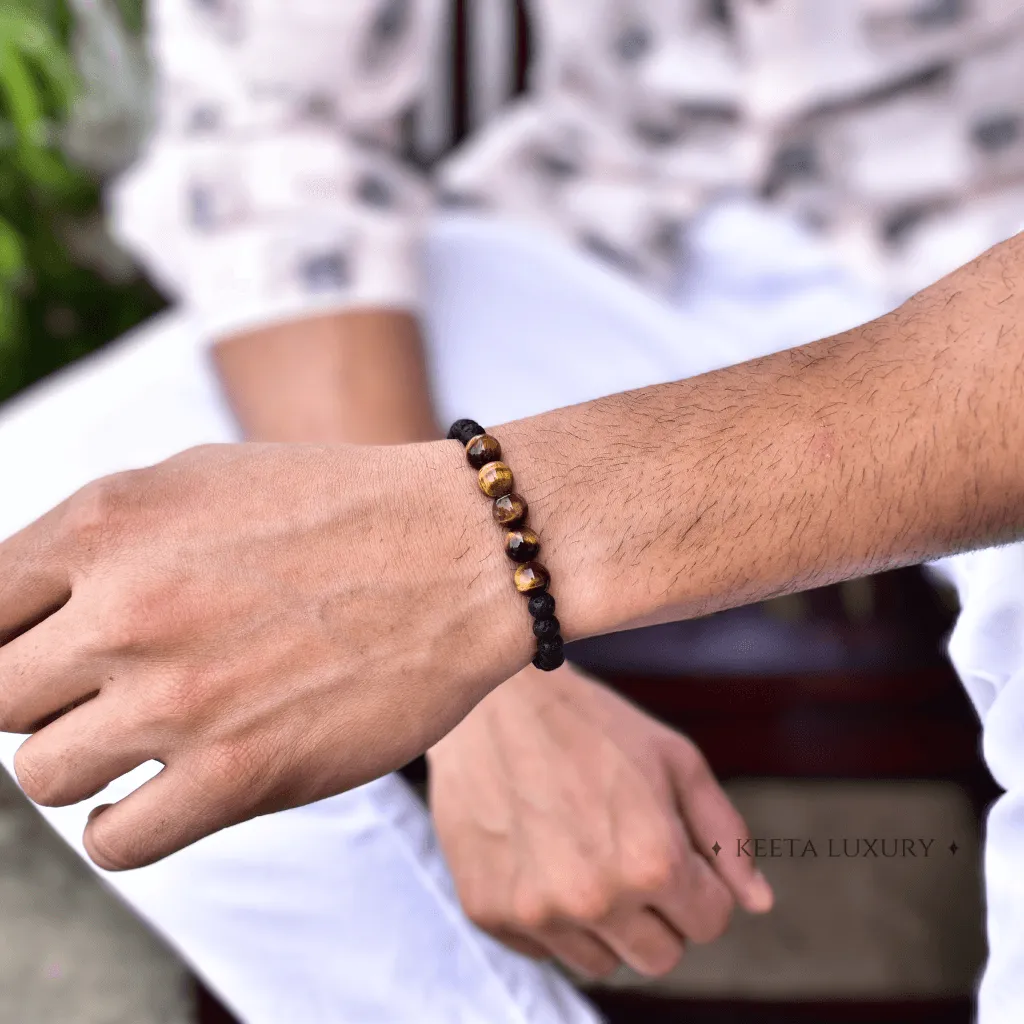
<point>510,510</point>
<point>531,578</point>
<point>495,480</point>
<point>522,545</point>
<point>483,449</point>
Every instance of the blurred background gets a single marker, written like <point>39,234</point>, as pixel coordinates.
<point>74,108</point>
<point>829,714</point>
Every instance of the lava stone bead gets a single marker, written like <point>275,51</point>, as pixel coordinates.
<point>552,646</point>
<point>464,431</point>
<point>549,661</point>
<point>541,606</point>
<point>545,629</point>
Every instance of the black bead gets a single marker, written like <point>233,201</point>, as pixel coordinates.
<point>549,662</point>
<point>542,606</point>
<point>553,645</point>
<point>464,431</point>
<point>544,629</point>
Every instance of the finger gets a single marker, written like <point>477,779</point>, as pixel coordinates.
<point>712,821</point>
<point>519,943</point>
<point>79,754</point>
<point>43,672</point>
<point>168,813</point>
<point>696,903</point>
<point>581,952</point>
<point>34,582</point>
<point>640,938</point>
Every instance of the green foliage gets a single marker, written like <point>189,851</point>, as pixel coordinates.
<point>52,308</point>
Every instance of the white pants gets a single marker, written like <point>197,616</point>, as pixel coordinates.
<point>343,911</point>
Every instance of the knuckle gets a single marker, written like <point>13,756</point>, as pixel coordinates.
<point>233,766</point>
<point>532,912</point>
<point>197,453</point>
<point>189,467</point>
<point>93,636</point>
<point>482,911</point>
<point>177,697</point>
<point>93,514</point>
<point>651,868</point>
<point>589,899</point>
<point>143,613</point>
<point>121,631</point>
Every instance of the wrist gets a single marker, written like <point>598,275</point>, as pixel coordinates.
<point>465,557</point>
<point>548,487</point>
<point>515,709</point>
<point>569,490</point>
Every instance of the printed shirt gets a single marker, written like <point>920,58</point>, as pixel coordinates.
<point>300,147</point>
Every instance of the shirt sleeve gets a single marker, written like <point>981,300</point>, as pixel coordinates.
<point>271,188</point>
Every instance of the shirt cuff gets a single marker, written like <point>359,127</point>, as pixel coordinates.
<point>263,274</point>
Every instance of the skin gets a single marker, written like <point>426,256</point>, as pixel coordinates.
<point>569,884</point>
<point>274,637</point>
<point>577,826</point>
<point>354,378</point>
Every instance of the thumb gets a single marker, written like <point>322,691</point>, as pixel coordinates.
<point>715,827</point>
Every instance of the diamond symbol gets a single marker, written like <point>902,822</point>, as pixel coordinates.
<point>716,848</point>
<point>953,848</point>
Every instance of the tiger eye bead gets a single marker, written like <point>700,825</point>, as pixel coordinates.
<point>495,480</point>
<point>531,577</point>
<point>483,449</point>
<point>522,545</point>
<point>510,510</point>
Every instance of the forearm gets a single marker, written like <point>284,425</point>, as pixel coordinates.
<point>357,377</point>
<point>277,624</point>
<point>897,442</point>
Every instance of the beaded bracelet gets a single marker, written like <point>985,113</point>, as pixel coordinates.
<point>522,545</point>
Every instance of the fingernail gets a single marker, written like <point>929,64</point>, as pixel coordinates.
<point>760,897</point>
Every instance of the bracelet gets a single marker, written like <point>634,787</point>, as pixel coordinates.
<point>483,453</point>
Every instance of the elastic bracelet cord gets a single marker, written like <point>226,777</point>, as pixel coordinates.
<point>522,545</point>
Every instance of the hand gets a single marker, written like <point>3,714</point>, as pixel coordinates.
<point>274,624</point>
<point>578,827</point>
